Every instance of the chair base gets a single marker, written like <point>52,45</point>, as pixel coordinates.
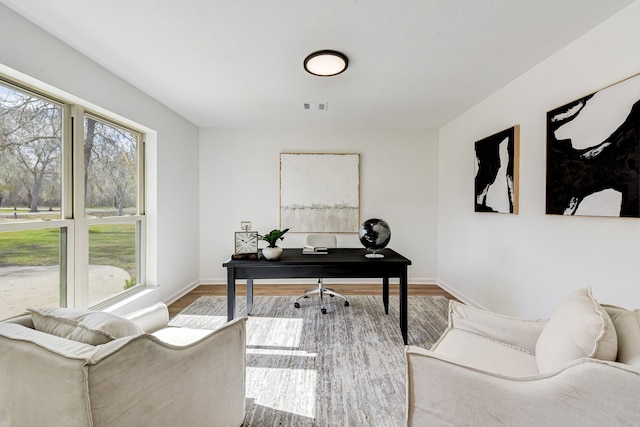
<point>321,291</point>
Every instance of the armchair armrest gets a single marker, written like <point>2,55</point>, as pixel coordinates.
<point>587,392</point>
<point>519,333</point>
<point>151,318</point>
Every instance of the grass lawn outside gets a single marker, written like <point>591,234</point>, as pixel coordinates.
<point>109,244</point>
<point>30,260</point>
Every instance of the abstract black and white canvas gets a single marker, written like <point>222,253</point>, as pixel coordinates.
<point>320,192</point>
<point>496,181</point>
<point>593,154</point>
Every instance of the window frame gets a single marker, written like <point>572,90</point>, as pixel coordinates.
<point>73,223</point>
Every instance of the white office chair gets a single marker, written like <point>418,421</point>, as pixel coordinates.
<point>327,241</point>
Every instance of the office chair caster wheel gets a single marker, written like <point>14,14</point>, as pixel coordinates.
<point>323,310</point>
<point>346,303</point>
<point>296,304</point>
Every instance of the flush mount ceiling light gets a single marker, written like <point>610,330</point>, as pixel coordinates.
<point>326,63</point>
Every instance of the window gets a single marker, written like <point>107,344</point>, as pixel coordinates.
<point>30,156</point>
<point>111,187</point>
<point>71,215</point>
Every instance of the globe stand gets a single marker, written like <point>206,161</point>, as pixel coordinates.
<point>373,254</point>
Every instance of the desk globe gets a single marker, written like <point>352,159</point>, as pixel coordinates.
<point>374,235</point>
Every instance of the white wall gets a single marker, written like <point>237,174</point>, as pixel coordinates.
<point>239,180</point>
<point>31,54</point>
<point>524,264</point>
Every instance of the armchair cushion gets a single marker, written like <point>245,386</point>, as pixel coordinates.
<point>578,328</point>
<point>519,333</point>
<point>486,354</point>
<point>86,326</point>
<point>181,336</point>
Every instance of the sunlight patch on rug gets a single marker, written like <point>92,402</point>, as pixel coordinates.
<point>291,390</point>
<point>274,332</point>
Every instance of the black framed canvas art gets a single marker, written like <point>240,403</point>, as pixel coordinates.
<point>593,154</point>
<point>496,172</point>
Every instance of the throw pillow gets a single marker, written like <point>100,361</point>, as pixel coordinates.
<point>87,326</point>
<point>579,327</point>
<point>627,325</point>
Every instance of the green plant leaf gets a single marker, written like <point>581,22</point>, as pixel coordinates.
<point>273,236</point>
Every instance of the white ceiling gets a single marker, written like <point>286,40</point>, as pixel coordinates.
<point>238,63</point>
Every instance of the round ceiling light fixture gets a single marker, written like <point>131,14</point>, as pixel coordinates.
<point>326,63</point>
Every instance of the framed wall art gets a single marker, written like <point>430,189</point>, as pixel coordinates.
<point>496,172</point>
<point>593,154</point>
<point>320,192</point>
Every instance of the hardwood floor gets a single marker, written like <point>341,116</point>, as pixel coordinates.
<point>350,289</point>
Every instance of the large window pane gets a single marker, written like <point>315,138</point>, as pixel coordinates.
<point>29,270</point>
<point>30,157</point>
<point>110,160</point>
<point>95,216</point>
<point>113,266</point>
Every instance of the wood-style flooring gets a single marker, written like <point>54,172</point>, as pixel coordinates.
<point>348,289</point>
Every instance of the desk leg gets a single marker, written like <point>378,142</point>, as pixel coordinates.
<point>404,301</point>
<point>231,293</point>
<point>249,296</point>
<point>385,294</point>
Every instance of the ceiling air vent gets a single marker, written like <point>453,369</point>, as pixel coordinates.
<point>311,106</point>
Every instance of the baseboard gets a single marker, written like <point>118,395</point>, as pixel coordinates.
<point>412,281</point>
<point>182,292</point>
<point>415,281</point>
<point>459,295</point>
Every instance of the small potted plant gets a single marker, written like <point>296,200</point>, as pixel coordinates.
<point>272,251</point>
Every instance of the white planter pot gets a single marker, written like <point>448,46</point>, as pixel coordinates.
<point>272,253</point>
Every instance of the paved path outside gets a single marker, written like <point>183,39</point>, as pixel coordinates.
<point>22,287</point>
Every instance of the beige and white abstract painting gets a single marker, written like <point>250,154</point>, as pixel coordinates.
<point>320,192</point>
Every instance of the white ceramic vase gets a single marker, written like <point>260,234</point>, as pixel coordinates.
<point>272,253</point>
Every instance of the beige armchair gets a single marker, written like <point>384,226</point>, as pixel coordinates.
<point>64,367</point>
<point>579,368</point>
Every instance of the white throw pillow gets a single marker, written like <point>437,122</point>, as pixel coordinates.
<point>627,325</point>
<point>87,326</point>
<point>579,327</point>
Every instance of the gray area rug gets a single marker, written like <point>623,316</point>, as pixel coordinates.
<point>344,368</point>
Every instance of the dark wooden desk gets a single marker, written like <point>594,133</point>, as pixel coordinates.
<point>339,263</point>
